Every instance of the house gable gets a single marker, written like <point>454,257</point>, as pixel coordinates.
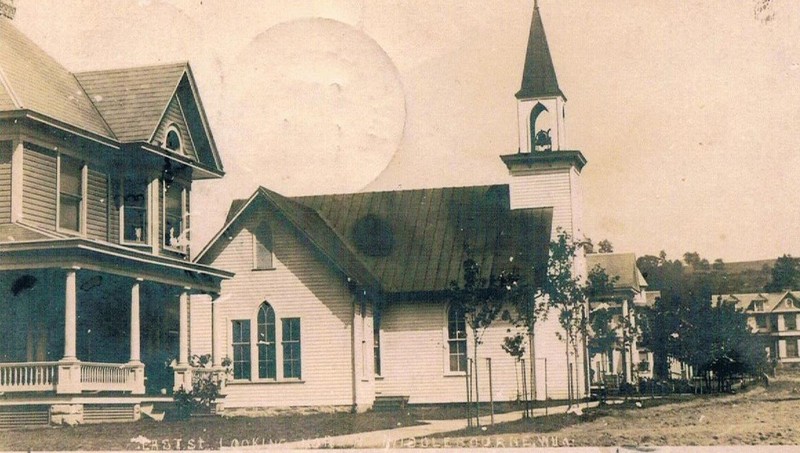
<point>174,120</point>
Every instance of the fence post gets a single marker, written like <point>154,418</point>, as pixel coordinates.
<point>491,390</point>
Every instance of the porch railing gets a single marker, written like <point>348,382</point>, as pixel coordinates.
<point>105,377</point>
<point>28,376</point>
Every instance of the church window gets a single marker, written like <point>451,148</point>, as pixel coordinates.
<point>266,342</point>
<point>291,347</point>
<point>457,339</point>
<point>241,349</point>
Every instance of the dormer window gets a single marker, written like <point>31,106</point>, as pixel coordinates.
<point>173,140</point>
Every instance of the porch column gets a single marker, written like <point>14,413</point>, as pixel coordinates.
<point>135,366</point>
<point>70,309</point>
<point>183,335</point>
<point>183,372</point>
<point>69,368</point>
<point>135,323</point>
<point>216,343</point>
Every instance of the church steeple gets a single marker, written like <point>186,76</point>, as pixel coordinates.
<point>539,74</point>
<point>540,101</point>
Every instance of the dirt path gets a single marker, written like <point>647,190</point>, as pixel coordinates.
<point>756,417</point>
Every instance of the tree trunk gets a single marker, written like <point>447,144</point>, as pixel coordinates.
<point>477,390</point>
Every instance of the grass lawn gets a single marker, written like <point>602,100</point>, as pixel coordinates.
<point>212,430</point>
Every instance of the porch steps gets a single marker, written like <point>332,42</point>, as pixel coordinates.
<point>24,416</point>
<point>389,403</point>
<point>102,413</point>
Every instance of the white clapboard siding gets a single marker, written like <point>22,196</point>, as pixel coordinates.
<point>414,360</point>
<point>97,205</point>
<point>302,285</point>
<point>199,325</point>
<point>546,188</point>
<point>5,181</point>
<point>39,187</point>
<point>549,346</point>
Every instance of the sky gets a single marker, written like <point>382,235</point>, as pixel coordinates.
<point>688,112</point>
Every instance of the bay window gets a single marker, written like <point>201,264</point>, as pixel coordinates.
<point>174,215</point>
<point>134,211</point>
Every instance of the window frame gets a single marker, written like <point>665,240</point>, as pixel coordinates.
<point>795,351</point>
<point>463,363</point>
<point>170,129</point>
<point>244,341</point>
<point>786,318</point>
<point>376,347</point>
<point>266,345</point>
<point>291,372</point>
<point>263,229</point>
<point>183,217</point>
<point>82,178</point>
<point>147,209</point>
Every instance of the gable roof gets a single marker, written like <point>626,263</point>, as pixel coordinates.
<point>745,301</point>
<point>133,100</point>
<point>622,265</point>
<point>539,74</point>
<point>413,241</point>
<point>33,80</point>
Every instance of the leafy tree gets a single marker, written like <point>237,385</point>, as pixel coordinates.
<point>481,300</point>
<point>567,294</point>
<point>605,246</point>
<point>785,274</point>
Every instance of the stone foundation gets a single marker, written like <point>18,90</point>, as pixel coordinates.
<point>66,414</point>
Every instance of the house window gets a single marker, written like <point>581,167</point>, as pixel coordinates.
<point>457,339</point>
<point>291,347</point>
<point>266,342</point>
<point>761,322</point>
<point>790,320</point>
<point>134,211</point>
<point>174,214</point>
<point>173,139</point>
<point>262,247</point>
<point>376,345</point>
<point>241,349</point>
<point>791,347</point>
<point>70,194</point>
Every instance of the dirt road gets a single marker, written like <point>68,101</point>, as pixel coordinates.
<point>757,416</point>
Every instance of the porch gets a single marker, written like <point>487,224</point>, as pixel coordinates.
<point>101,330</point>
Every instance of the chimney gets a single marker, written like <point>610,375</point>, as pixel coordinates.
<point>7,9</point>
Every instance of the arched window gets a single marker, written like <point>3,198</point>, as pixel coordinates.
<point>457,338</point>
<point>540,137</point>
<point>266,342</point>
<point>173,139</point>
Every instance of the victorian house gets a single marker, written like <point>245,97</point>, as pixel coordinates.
<point>96,173</point>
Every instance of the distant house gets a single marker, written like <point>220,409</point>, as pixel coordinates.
<point>96,174</point>
<point>774,316</point>
<point>341,300</point>
<point>626,361</point>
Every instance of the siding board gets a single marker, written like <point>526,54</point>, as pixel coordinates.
<point>301,285</point>
<point>97,205</point>
<point>39,187</point>
<point>5,181</point>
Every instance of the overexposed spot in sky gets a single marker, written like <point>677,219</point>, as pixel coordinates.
<point>319,107</point>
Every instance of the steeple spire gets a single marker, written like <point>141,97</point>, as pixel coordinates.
<point>539,75</point>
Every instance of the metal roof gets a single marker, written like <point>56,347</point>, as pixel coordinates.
<point>415,241</point>
<point>32,80</point>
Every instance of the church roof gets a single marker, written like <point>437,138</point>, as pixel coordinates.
<point>539,74</point>
<point>133,100</point>
<point>32,80</point>
<point>415,241</point>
